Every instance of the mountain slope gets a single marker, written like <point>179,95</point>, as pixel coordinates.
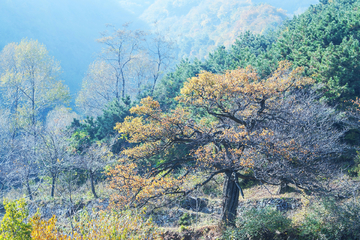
<point>202,25</point>
<point>292,7</point>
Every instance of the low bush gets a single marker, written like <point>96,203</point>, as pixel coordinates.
<point>257,223</point>
<point>100,225</point>
<point>354,171</point>
<point>330,220</point>
<point>13,225</point>
<point>185,220</point>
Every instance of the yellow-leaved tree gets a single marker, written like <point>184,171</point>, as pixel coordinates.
<point>273,130</point>
<point>29,82</point>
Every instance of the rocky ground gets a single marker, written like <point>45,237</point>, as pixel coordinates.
<point>198,217</point>
<point>65,209</point>
<point>193,217</point>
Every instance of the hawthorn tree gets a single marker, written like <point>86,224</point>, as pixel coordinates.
<point>236,124</point>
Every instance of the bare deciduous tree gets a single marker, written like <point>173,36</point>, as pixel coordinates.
<point>93,159</point>
<point>130,63</point>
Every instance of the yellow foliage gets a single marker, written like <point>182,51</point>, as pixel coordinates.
<point>13,225</point>
<point>102,226</point>
<point>45,230</point>
<point>133,187</point>
<point>241,85</point>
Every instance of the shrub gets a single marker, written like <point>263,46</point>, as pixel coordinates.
<point>255,223</point>
<point>45,230</point>
<point>355,170</point>
<point>100,225</point>
<point>185,220</point>
<point>331,220</point>
<point>13,225</point>
<point>182,228</point>
<point>114,225</point>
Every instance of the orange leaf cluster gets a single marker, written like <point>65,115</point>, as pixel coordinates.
<point>133,187</point>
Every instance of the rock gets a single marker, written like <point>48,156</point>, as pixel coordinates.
<point>282,204</point>
<point>74,209</point>
<point>206,210</point>
<point>62,209</point>
<point>195,204</point>
<point>283,188</point>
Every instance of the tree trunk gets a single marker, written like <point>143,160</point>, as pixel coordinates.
<point>123,88</point>
<point>28,188</point>
<point>117,94</point>
<point>53,185</point>
<point>282,188</point>
<point>92,184</point>
<point>230,199</point>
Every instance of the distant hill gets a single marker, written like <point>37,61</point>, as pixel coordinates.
<point>200,26</point>
<point>294,7</point>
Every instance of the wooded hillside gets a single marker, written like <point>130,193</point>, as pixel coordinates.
<point>258,140</point>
